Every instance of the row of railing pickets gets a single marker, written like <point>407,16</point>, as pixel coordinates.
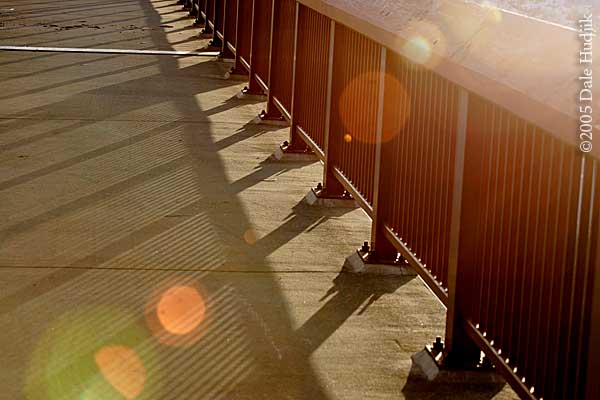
<point>498,216</point>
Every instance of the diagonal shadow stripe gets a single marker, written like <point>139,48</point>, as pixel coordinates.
<point>73,81</point>
<point>84,156</point>
<point>92,198</point>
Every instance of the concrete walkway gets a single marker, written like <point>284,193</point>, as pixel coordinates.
<point>149,249</point>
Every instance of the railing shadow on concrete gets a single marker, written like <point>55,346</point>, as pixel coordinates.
<point>468,173</point>
<point>223,367</point>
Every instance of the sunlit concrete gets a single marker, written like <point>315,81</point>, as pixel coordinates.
<point>150,247</point>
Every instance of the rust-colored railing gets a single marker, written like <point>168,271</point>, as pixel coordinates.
<point>497,215</point>
<point>218,19</point>
<point>230,30</point>
<point>261,44</point>
<point>244,35</point>
<point>209,16</point>
<point>528,257</point>
<point>282,59</point>
<point>352,133</point>
<point>309,100</point>
<point>419,135</point>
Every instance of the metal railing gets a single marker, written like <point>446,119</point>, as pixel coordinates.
<point>497,215</point>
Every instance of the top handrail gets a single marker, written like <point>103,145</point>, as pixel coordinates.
<point>528,66</point>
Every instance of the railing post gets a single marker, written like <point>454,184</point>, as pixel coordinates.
<point>237,68</point>
<point>381,248</point>
<point>207,30</point>
<point>459,348</point>
<point>216,40</point>
<point>272,112</point>
<point>225,51</point>
<point>296,144</point>
<point>331,186</point>
<point>592,384</point>
<point>190,5</point>
<point>199,18</point>
<point>253,87</point>
<point>295,140</point>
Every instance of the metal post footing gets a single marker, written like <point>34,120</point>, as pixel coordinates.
<point>365,261</point>
<point>431,365</point>
<point>285,152</point>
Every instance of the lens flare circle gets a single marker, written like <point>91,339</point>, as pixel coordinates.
<point>123,369</point>
<point>250,236</point>
<point>418,49</point>
<point>358,125</point>
<point>425,43</point>
<point>176,312</point>
<point>397,105</point>
<point>90,354</point>
<point>493,13</point>
<point>180,310</point>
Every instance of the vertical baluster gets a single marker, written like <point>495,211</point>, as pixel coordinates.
<point>592,383</point>
<point>580,299</point>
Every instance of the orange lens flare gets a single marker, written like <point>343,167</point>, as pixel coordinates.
<point>396,109</point>
<point>123,369</point>
<point>362,129</point>
<point>359,124</point>
<point>180,310</point>
<point>250,236</point>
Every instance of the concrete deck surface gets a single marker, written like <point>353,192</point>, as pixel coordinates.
<point>149,249</point>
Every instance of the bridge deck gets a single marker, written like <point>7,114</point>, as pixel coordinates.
<point>133,189</point>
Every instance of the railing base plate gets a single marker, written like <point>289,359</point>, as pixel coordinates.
<point>357,263</point>
<point>245,94</point>
<point>284,153</point>
<point>320,198</point>
<point>206,31</point>
<point>428,367</point>
<point>264,120</point>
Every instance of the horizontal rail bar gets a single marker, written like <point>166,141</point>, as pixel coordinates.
<point>493,76</point>
<point>110,51</point>
<point>231,47</point>
<point>499,362</point>
<point>311,143</point>
<point>364,204</point>
<point>286,114</point>
<point>261,83</point>
<point>245,63</point>
<point>423,272</point>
